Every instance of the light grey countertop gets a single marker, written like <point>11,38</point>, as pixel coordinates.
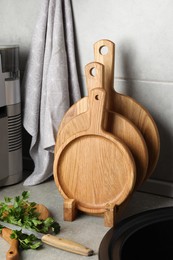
<point>85,229</point>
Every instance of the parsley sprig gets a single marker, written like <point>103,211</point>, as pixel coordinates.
<point>19,211</point>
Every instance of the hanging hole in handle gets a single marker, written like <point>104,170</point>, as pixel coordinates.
<point>97,97</point>
<point>103,50</point>
<point>93,72</point>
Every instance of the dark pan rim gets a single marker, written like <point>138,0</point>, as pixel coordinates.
<point>127,227</point>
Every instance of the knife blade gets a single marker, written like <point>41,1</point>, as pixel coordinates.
<point>55,241</point>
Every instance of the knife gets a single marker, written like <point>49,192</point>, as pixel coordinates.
<point>61,243</point>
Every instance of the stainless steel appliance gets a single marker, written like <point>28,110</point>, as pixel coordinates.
<point>10,117</point>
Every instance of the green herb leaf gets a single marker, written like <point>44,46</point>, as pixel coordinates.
<point>25,195</point>
<point>19,211</point>
<point>7,199</point>
<point>55,227</point>
<point>26,241</point>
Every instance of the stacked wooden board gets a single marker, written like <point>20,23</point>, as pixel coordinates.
<point>107,144</point>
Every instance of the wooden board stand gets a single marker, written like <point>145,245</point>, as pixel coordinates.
<point>71,212</point>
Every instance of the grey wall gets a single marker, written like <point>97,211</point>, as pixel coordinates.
<point>143,34</point>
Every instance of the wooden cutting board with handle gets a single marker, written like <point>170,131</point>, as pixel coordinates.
<point>121,104</point>
<point>115,123</point>
<point>58,242</point>
<point>129,107</point>
<point>94,170</point>
<point>13,252</point>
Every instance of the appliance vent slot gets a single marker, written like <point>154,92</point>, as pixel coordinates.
<point>3,112</point>
<point>14,132</point>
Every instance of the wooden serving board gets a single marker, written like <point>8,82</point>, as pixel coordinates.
<point>122,104</point>
<point>93,169</point>
<point>13,252</point>
<point>57,242</point>
<point>114,123</point>
<point>130,108</point>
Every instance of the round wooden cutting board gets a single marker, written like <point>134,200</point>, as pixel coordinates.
<point>129,107</point>
<point>113,122</point>
<point>93,167</point>
<point>124,105</point>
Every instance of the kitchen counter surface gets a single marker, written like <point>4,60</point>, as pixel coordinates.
<point>86,229</point>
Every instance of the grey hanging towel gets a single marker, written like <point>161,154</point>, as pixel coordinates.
<point>50,83</point>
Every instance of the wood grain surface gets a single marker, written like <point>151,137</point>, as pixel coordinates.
<point>124,105</point>
<point>113,122</point>
<point>93,167</point>
<point>13,252</point>
<point>129,107</point>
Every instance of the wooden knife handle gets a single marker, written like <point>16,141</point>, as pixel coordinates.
<point>67,245</point>
<point>12,253</point>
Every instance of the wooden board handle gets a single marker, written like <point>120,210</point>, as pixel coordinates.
<point>67,245</point>
<point>96,95</point>
<point>107,59</point>
<point>12,253</point>
<point>94,73</point>
<point>96,110</point>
